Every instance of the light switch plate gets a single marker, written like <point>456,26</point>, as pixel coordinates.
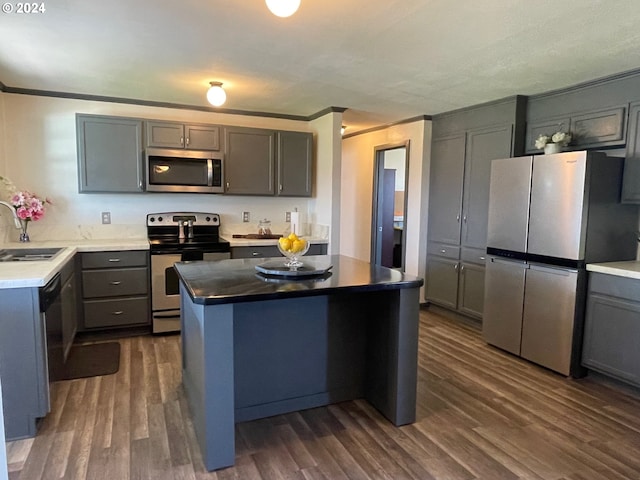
<point>245,216</point>
<point>106,218</point>
<point>287,217</point>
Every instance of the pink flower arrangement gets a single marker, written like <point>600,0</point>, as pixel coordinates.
<point>28,206</point>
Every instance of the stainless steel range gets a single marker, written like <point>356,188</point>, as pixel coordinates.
<point>175,237</point>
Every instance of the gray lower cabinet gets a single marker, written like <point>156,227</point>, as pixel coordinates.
<point>23,351</point>
<point>115,289</point>
<point>612,327</point>
<point>631,179</point>
<point>272,251</point>
<point>456,281</point>
<point>110,156</point>
<point>178,135</point>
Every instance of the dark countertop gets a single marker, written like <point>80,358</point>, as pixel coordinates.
<point>232,281</point>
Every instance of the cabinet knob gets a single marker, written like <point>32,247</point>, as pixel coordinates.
<point>443,251</point>
<point>464,219</point>
<point>482,258</point>
<point>280,187</point>
<point>458,218</point>
<point>115,283</point>
<point>227,185</point>
<point>455,267</point>
<point>119,312</point>
<point>188,140</point>
<point>114,260</point>
<point>462,268</point>
<point>256,254</point>
<point>181,140</point>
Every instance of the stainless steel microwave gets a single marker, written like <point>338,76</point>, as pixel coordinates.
<point>187,171</point>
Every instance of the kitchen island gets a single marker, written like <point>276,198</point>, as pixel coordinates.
<point>254,346</point>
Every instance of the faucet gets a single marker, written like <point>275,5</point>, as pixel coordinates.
<point>16,220</point>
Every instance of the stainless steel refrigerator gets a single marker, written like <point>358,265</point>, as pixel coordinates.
<point>550,215</point>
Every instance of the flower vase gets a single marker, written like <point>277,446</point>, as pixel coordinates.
<point>552,148</point>
<point>24,236</point>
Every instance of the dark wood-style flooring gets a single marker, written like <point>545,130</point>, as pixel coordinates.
<point>482,414</point>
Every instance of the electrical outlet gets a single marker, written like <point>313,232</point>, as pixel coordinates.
<point>245,216</point>
<point>287,217</point>
<point>106,218</point>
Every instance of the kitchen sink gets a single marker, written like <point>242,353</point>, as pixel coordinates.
<point>28,254</point>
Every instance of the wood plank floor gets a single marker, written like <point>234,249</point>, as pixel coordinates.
<point>482,414</point>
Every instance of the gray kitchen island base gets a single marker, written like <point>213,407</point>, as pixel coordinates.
<point>254,359</point>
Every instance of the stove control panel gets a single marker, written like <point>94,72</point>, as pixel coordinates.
<point>177,218</point>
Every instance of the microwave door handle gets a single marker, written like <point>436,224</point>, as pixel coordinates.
<point>210,172</point>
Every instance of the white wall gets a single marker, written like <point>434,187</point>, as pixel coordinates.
<point>358,155</point>
<point>326,204</point>
<point>40,155</point>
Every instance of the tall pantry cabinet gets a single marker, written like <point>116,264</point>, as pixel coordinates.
<point>464,144</point>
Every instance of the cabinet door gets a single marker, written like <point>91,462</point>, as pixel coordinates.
<point>483,146</point>
<point>471,289</point>
<point>109,154</point>
<point>612,336</point>
<point>202,137</point>
<point>165,134</point>
<point>445,189</point>
<point>631,179</point>
<point>294,160</point>
<point>250,161</point>
<point>442,281</point>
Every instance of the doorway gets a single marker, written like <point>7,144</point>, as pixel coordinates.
<point>388,241</point>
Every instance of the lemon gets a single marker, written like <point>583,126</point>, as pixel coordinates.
<point>293,237</point>
<point>285,243</point>
<point>298,245</point>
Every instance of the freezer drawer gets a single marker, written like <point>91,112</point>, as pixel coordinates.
<point>503,301</point>
<point>549,317</point>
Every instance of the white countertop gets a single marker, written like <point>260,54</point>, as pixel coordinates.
<point>257,242</point>
<point>629,269</point>
<point>38,273</point>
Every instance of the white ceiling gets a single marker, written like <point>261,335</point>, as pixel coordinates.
<point>385,61</point>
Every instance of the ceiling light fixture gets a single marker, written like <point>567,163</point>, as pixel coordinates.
<point>283,8</point>
<point>216,94</point>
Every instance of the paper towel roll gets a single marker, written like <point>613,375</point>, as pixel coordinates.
<point>295,223</point>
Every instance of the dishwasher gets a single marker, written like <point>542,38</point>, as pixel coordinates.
<point>51,315</point>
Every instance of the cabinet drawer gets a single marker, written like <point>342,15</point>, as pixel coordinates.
<point>474,255</point>
<point>615,286</point>
<point>444,250</point>
<point>255,252</point>
<point>113,313</point>
<point>115,282</point>
<point>118,259</point>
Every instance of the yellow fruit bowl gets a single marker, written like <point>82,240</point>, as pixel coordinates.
<point>293,247</point>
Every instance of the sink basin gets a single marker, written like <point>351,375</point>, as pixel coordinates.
<point>28,254</point>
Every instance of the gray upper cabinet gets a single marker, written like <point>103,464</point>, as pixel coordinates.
<point>109,154</point>
<point>250,161</point>
<point>178,135</point>
<point>483,146</point>
<point>631,179</point>
<point>294,163</point>
<point>592,129</point>
<point>445,190</point>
